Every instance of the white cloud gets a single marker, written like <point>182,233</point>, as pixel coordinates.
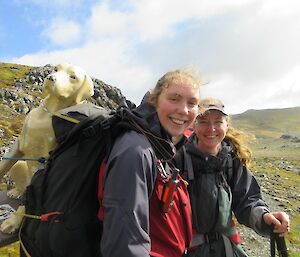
<point>286,91</point>
<point>239,96</point>
<point>152,20</point>
<point>62,32</point>
<point>106,61</point>
<point>158,18</point>
<point>105,22</point>
<point>248,50</point>
<point>279,9</point>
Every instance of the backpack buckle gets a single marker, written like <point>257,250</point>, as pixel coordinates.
<point>89,131</point>
<point>47,216</point>
<point>211,237</point>
<point>105,124</point>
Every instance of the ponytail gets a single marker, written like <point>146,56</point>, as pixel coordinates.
<point>239,140</point>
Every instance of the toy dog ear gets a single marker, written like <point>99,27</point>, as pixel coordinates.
<point>86,90</point>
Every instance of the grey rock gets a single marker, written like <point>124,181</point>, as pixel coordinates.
<point>106,96</point>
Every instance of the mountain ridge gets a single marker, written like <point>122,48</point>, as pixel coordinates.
<point>269,122</point>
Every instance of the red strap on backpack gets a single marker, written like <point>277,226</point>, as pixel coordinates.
<point>235,235</point>
<point>101,189</point>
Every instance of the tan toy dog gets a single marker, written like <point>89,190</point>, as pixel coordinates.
<point>68,85</point>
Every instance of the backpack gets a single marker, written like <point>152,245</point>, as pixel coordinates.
<point>61,200</point>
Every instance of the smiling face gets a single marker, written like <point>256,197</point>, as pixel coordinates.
<point>211,129</point>
<point>177,107</point>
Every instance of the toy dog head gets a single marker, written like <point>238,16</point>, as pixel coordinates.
<point>70,82</point>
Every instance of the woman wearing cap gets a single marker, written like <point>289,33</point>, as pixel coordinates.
<point>216,163</point>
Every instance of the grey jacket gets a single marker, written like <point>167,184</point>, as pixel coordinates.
<point>131,175</point>
<point>128,186</point>
<point>247,203</point>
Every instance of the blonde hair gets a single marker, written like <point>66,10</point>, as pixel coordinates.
<point>176,76</point>
<point>239,140</point>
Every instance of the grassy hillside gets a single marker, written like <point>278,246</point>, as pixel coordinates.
<point>10,121</point>
<point>9,72</point>
<point>277,160</point>
<point>270,123</point>
<point>268,126</point>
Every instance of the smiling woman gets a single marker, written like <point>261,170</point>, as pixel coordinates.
<point>216,162</point>
<point>143,228</point>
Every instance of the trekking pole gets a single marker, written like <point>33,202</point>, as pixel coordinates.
<point>281,245</point>
<point>41,160</point>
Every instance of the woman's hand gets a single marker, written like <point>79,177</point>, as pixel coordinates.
<point>280,221</point>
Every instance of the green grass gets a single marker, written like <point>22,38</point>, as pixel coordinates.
<point>11,250</point>
<point>11,121</point>
<point>269,123</point>
<point>9,72</point>
<point>276,149</point>
<point>269,153</point>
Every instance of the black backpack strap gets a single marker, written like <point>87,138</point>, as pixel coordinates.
<point>228,167</point>
<point>188,165</point>
<point>65,117</point>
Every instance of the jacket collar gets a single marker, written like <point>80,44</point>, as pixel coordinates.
<point>191,147</point>
<point>144,119</point>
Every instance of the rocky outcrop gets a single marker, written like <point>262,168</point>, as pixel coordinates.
<point>26,93</point>
<point>294,139</point>
<point>20,96</point>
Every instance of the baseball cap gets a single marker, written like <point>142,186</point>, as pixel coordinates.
<point>208,104</point>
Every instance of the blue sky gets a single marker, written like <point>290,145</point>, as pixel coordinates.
<point>246,52</point>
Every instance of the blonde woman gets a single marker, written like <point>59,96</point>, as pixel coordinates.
<point>134,224</point>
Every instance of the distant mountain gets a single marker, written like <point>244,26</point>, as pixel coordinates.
<point>271,123</point>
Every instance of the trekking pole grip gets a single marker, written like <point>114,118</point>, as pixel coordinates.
<point>280,243</point>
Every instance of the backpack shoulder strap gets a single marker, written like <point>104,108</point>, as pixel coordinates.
<point>227,162</point>
<point>188,165</point>
<point>230,167</point>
